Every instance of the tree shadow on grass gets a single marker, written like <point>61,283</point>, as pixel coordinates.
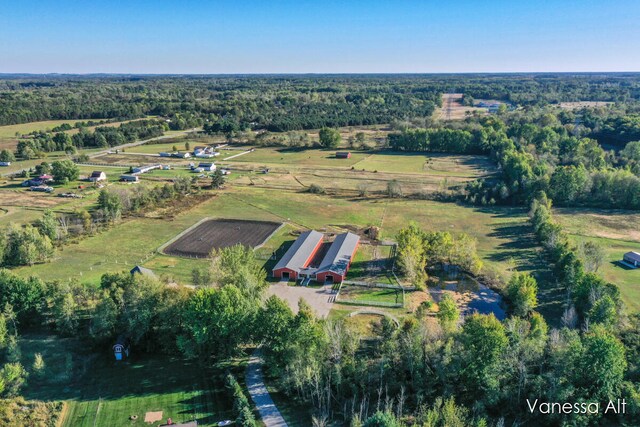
<point>522,247</point>
<point>98,376</point>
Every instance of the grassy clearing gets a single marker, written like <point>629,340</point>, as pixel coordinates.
<point>616,231</point>
<point>464,166</point>
<point>504,239</point>
<point>371,264</point>
<point>25,128</point>
<point>100,392</point>
<point>298,157</point>
<point>364,295</point>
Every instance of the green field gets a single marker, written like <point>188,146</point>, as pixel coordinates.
<point>369,296</point>
<point>433,164</point>
<point>503,233</point>
<point>101,392</point>
<point>617,233</point>
<point>462,166</point>
<point>298,157</point>
<point>25,128</point>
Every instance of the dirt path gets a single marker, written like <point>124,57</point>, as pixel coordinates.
<point>269,413</point>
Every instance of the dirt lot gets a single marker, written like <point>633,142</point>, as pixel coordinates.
<point>452,108</point>
<point>320,299</point>
<point>220,233</point>
<point>583,104</point>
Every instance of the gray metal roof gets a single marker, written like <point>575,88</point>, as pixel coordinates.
<point>339,255</point>
<point>633,256</point>
<point>299,253</point>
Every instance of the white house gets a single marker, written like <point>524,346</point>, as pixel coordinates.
<point>210,167</point>
<point>97,176</point>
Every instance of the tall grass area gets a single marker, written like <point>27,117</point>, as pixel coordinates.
<point>617,232</point>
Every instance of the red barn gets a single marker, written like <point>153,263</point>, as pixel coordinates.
<point>299,255</point>
<point>335,264</point>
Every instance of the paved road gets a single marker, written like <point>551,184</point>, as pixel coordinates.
<point>259,394</point>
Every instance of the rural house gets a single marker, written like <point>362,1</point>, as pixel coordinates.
<point>299,255</point>
<point>97,176</point>
<point>209,167</point>
<point>343,155</point>
<point>632,259</point>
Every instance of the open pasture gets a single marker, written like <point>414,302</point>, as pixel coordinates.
<point>436,164</point>
<point>198,241</point>
<point>293,157</point>
<point>616,232</point>
<point>504,239</point>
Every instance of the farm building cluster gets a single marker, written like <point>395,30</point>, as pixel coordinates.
<point>310,258</point>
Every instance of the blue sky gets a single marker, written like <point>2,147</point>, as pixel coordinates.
<point>284,36</point>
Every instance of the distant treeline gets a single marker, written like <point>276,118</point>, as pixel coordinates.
<point>284,103</point>
<point>101,137</point>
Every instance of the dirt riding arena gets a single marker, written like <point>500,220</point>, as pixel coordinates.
<point>198,241</point>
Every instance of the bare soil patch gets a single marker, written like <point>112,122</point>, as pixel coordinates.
<point>583,104</point>
<point>221,233</point>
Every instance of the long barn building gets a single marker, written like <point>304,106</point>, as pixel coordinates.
<point>297,261</point>
<point>298,256</point>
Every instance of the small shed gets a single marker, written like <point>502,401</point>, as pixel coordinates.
<point>343,155</point>
<point>97,176</point>
<point>142,271</point>
<point>121,348</point>
<point>129,178</point>
<point>5,163</point>
<point>632,259</point>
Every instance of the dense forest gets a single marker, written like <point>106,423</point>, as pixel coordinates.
<point>282,103</point>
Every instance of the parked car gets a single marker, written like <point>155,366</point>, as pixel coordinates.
<point>42,188</point>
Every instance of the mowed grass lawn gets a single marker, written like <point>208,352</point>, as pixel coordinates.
<point>503,234</point>
<point>369,295</point>
<point>617,232</point>
<point>299,157</point>
<point>465,166</point>
<point>462,166</point>
<point>9,131</point>
<point>98,391</point>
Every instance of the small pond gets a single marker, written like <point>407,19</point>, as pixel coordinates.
<point>471,296</point>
